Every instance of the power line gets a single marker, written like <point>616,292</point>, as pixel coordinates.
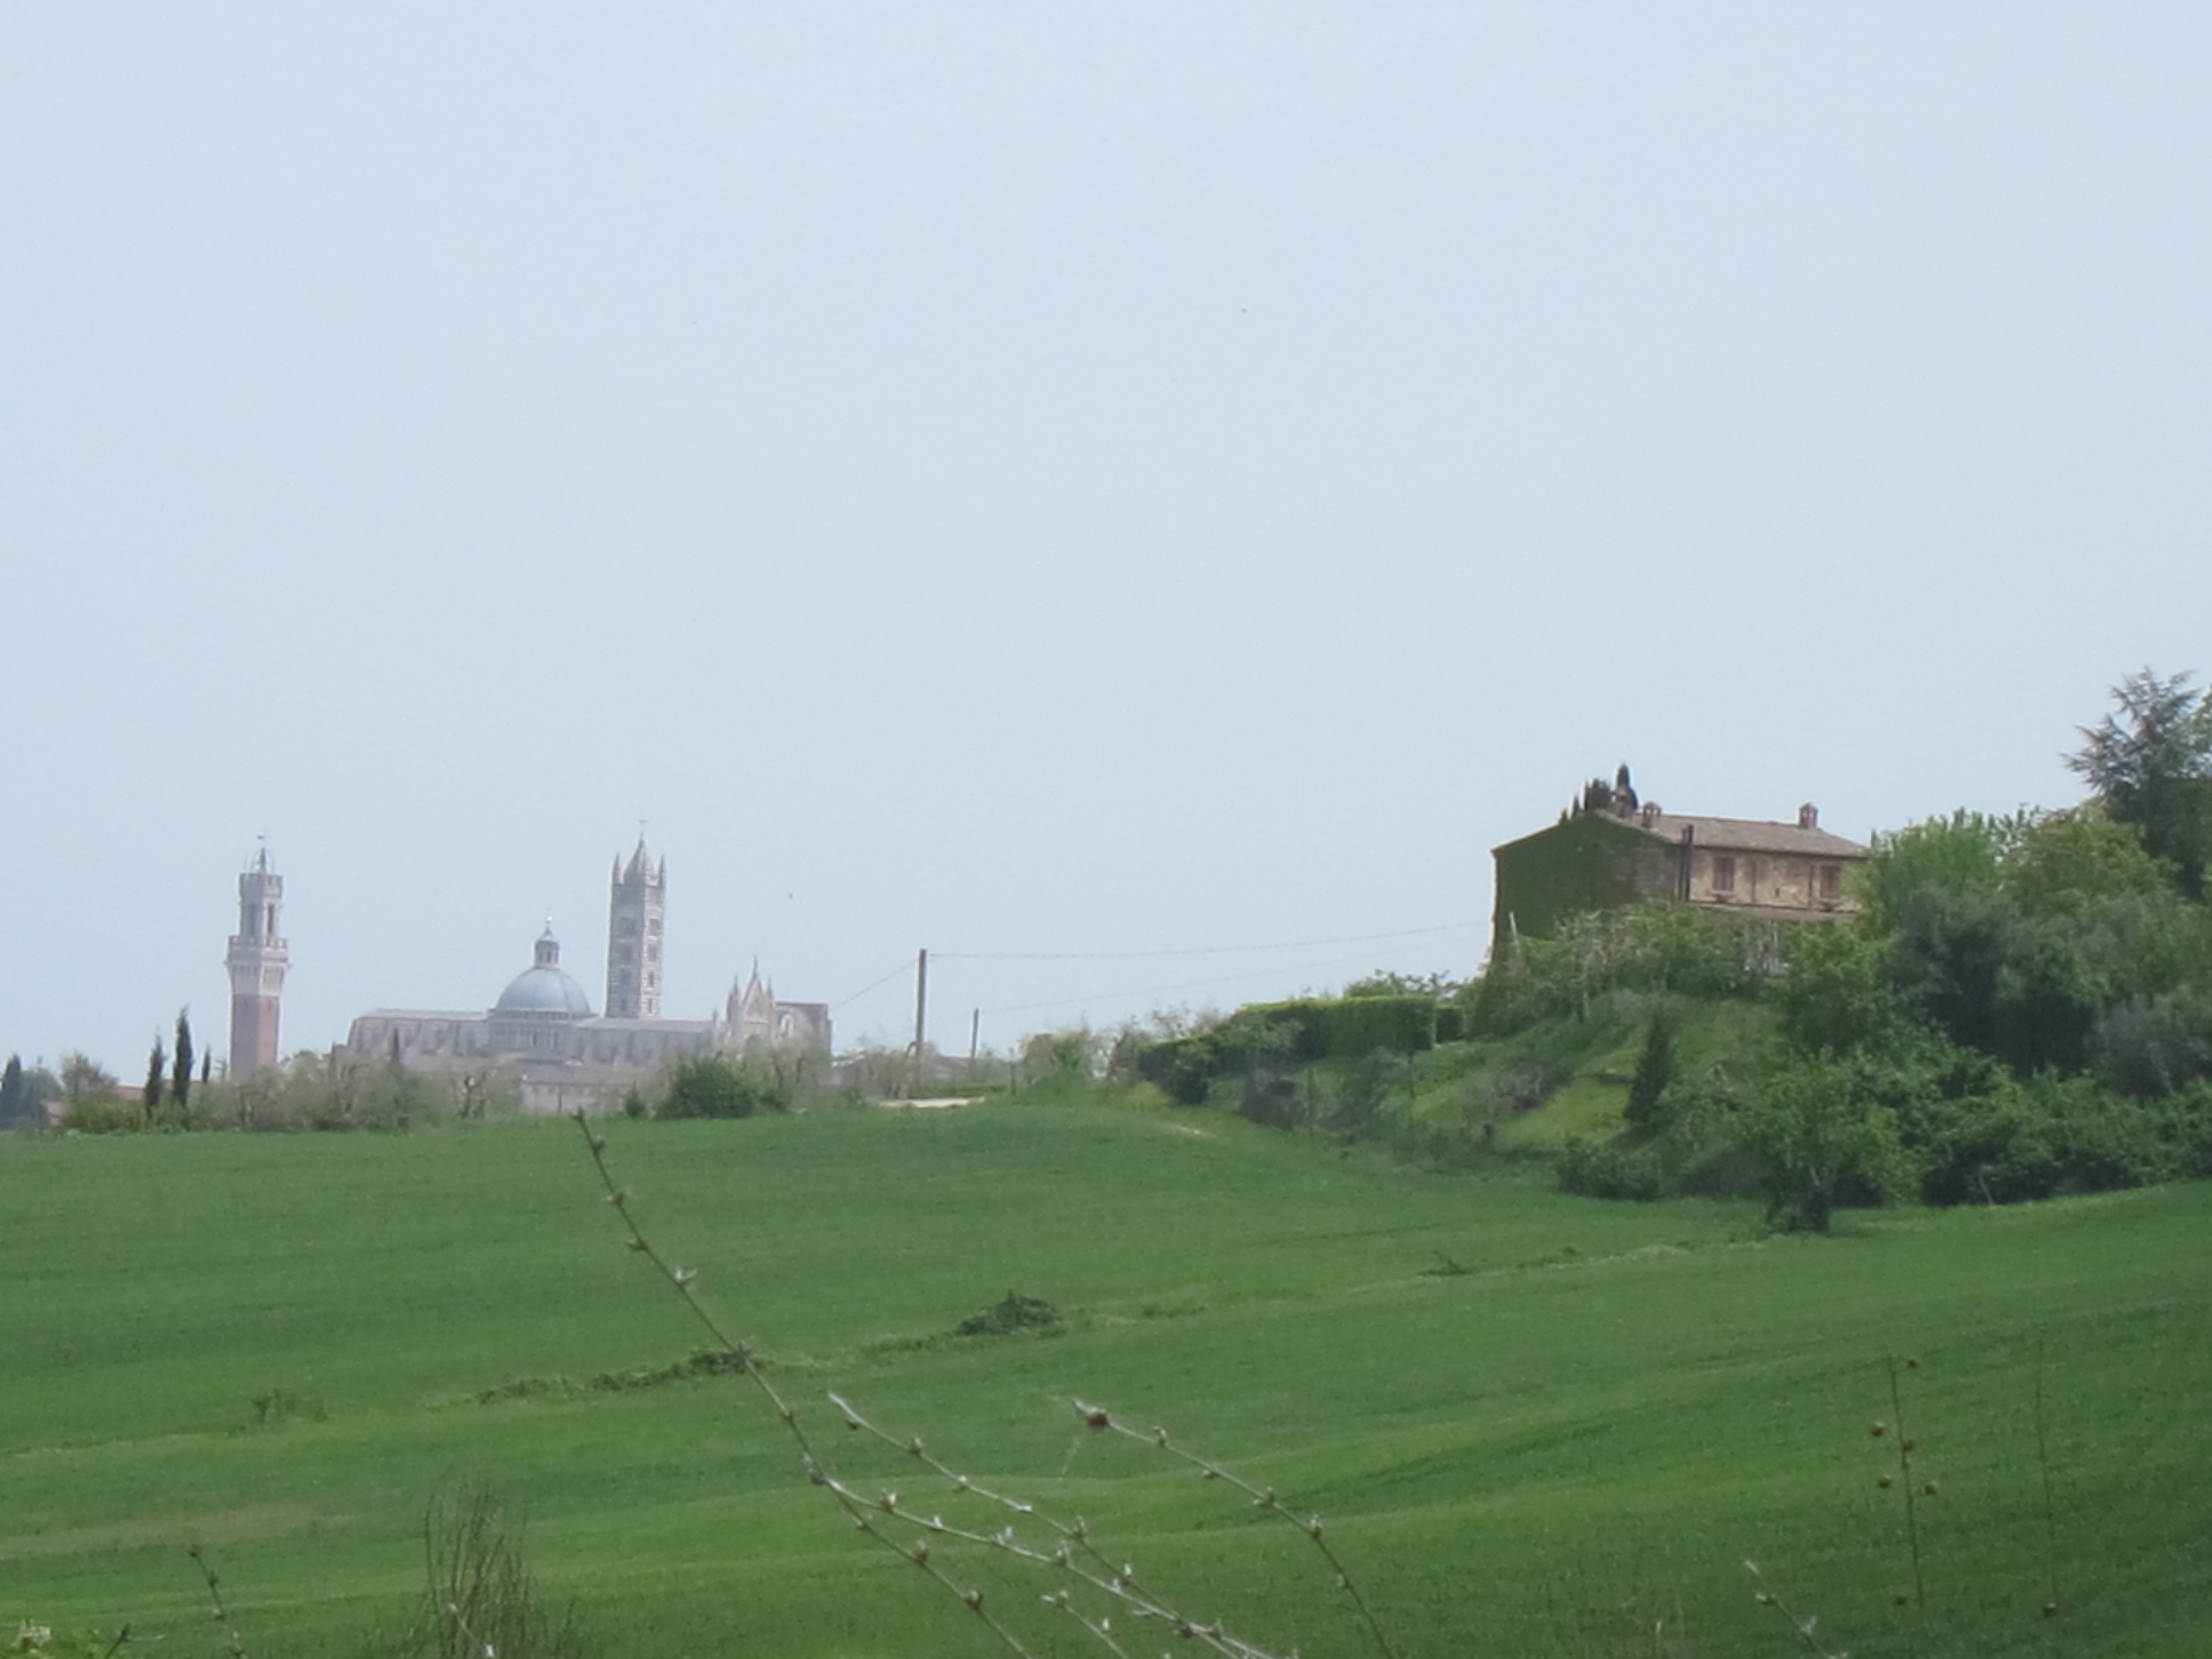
<point>1202,951</point>
<point>902,968</point>
<point>1163,990</point>
<point>905,968</point>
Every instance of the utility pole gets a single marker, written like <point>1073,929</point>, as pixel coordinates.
<point>975,1030</point>
<point>920,999</point>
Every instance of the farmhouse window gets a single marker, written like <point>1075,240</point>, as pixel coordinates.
<point>1723,875</point>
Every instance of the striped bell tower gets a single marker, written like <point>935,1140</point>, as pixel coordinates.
<point>257,961</point>
<point>637,907</point>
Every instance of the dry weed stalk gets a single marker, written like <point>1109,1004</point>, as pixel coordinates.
<point>1069,1554</point>
<point>2052,1600</point>
<point>467,1632</point>
<point>1805,1628</point>
<point>1263,1499</point>
<point>215,1596</point>
<point>1914,1485</point>
<point>479,1599</point>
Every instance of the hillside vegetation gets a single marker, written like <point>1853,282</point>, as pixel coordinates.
<point>2020,1007</point>
<point>1534,1424</point>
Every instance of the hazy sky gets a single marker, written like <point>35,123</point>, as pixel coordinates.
<point>1033,480</point>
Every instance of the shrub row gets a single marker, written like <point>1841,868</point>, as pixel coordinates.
<point>1295,1033</point>
<point>1934,1122</point>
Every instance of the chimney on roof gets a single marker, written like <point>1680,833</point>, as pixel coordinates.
<point>1808,816</point>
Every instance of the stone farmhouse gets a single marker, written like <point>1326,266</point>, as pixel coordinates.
<point>1613,849</point>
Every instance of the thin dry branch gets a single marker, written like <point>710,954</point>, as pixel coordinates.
<point>215,1596</point>
<point>1071,1554</point>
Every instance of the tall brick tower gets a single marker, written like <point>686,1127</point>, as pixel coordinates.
<point>257,961</point>
<point>635,907</point>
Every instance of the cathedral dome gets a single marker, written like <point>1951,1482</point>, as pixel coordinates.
<point>545,987</point>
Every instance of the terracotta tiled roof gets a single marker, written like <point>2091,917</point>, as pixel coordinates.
<point>1746,835</point>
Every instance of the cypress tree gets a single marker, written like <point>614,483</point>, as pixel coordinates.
<point>150,1098</point>
<point>1655,1070</point>
<point>180,1078</point>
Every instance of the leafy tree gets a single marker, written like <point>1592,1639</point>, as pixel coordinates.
<point>2051,990</point>
<point>1819,1144</point>
<point>1965,954</point>
<point>2150,764</point>
<point>84,1079</point>
<point>2148,1046</point>
<point>2015,936</point>
<point>1963,853</point>
<point>41,1088</point>
<point>1835,993</point>
<point>2065,864</point>
<point>1067,1055</point>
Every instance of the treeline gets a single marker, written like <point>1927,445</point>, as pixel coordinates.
<point>1272,1037</point>
<point>308,1092</point>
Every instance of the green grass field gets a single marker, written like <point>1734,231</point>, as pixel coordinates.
<point>1568,1448</point>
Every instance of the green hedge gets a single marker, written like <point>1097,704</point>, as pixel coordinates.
<point>1184,1067</point>
<point>1295,1033</point>
<point>1341,1028</point>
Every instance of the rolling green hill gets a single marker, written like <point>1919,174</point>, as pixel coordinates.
<point>1535,1425</point>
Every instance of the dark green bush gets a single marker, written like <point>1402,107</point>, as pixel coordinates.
<point>1987,1152</point>
<point>1596,1170</point>
<point>1275,1103</point>
<point>1184,1068</point>
<point>1273,1036</point>
<point>1311,1029</point>
<point>2151,1046</point>
<point>722,1086</point>
<point>1015,1314</point>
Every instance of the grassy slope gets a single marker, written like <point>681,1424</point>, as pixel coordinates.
<point>1583,1436</point>
<point>1455,1088</point>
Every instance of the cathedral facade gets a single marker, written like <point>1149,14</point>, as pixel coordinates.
<point>543,1031</point>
